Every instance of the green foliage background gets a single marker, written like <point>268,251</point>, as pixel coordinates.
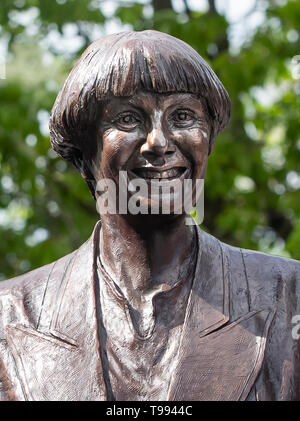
<point>253,180</point>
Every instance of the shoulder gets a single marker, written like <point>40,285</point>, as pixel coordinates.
<point>269,279</point>
<point>254,260</point>
<point>261,263</point>
<point>243,259</point>
<point>31,280</point>
<point>21,297</point>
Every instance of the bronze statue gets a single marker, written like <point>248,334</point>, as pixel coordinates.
<point>149,308</point>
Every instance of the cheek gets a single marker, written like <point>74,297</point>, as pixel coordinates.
<point>193,142</point>
<point>117,148</point>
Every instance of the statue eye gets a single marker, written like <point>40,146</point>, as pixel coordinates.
<point>127,121</point>
<point>183,118</point>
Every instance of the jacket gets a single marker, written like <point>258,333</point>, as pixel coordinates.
<point>236,342</point>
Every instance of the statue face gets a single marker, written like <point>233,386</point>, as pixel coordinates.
<point>154,137</point>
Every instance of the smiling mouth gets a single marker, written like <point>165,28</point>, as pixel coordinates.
<point>152,174</point>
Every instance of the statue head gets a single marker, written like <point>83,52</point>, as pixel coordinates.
<point>121,66</point>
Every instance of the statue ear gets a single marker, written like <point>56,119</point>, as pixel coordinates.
<point>212,142</point>
<point>92,186</point>
<point>80,163</point>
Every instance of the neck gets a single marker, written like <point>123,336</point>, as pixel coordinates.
<point>143,253</point>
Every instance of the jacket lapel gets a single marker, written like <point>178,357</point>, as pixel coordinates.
<point>60,359</point>
<point>217,360</point>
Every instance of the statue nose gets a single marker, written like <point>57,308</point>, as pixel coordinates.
<point>156,147</point>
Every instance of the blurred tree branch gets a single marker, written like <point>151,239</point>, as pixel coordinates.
<point>161,4</point>
<point>212,7</point>
<point>187,9</point>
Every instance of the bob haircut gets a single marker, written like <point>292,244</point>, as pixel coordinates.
<point>121,65</point>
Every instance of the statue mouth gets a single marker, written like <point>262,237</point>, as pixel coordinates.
<point>160,175</point>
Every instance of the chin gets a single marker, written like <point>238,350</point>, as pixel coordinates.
<point>160,204</point>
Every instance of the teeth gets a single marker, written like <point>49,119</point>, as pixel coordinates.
<point>157,175</point>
